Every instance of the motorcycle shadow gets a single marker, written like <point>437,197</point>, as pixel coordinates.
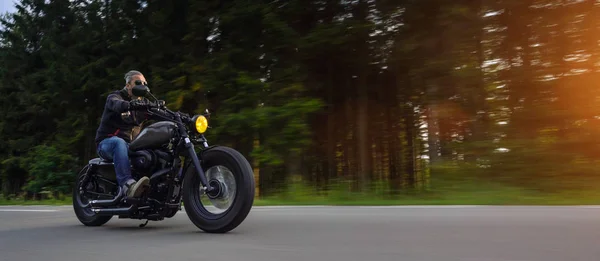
<point>129,226</point>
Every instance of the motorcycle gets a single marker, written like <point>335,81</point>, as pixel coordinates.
<point>165,152</point>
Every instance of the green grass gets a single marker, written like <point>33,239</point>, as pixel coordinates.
<point>447,193</point>
<point>449,199</point>
<point>50,202</point>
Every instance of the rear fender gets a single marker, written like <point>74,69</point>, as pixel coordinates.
<point>102,168</point>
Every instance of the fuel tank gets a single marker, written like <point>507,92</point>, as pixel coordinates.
<point>154,136</point>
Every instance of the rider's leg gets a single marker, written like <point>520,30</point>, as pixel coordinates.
<point>116,149</point>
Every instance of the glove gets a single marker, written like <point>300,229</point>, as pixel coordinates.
<point>137,105</point>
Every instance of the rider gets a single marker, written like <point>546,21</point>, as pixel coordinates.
<point>115,132</point>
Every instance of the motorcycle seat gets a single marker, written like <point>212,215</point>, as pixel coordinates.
<point>100,161</point>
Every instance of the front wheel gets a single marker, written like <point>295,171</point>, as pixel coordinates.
<point>230,172</point>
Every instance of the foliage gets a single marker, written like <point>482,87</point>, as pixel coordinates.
<point>387,97</point>
<point>49,170</point>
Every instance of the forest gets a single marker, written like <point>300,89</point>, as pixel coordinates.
<point>383,97</point>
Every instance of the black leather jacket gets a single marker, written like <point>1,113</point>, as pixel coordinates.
<point>115,124</point>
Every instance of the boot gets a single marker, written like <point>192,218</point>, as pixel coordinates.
<point>135,188</point>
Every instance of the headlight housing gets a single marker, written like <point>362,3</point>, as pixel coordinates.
<point>201,123</point>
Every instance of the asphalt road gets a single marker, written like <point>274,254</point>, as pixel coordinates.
<point>314,233</point>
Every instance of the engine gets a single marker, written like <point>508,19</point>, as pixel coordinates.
<point>147,162</point>
<point>143,161</point>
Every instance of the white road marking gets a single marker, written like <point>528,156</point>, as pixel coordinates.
<point>419,206</point>
<point>26,210</point>
<point>268,207</point>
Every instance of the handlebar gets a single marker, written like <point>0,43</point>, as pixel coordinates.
<point>159,108</point>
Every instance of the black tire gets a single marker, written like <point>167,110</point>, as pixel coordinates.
<point>86,216</point>
<point>244,195</point>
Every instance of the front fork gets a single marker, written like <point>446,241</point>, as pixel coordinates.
<point>192,154</point>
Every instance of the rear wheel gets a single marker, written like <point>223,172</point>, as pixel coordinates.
<point>228,171</point>
<point>85,215</point>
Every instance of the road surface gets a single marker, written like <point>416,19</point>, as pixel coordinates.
<point>314,233</point>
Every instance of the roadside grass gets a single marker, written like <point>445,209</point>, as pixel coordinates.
<point>23,202</point>
<point>474,195</point>
<point>499,198</point>
<point>448,193</point>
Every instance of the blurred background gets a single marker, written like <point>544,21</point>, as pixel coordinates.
<point>345,102</point>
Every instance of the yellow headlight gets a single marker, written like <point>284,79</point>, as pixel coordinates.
<point>201,124</point>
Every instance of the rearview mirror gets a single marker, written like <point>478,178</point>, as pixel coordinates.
<point>140,91</point>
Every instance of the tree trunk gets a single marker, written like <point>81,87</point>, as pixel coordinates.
<point>350,144</point>
<point>363,138</point>
<point>394,177</point>
<point>362,52</point>
<point>433,137</point>
<point>410,146</point>
<point>331,139</point>
<point>480,122</point>
<point>265,172</point>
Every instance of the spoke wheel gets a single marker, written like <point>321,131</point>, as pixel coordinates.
<point>223,209</point>
<point>221,199</point>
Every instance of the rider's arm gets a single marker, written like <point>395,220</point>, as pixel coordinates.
<point>115,103</point>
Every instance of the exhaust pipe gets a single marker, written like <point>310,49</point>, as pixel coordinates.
<point>113,211</point>
<point>160,173</point>
<point>101,203</point>
<point>107,202</point>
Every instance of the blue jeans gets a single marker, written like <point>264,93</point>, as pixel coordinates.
<point>116,150</point>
